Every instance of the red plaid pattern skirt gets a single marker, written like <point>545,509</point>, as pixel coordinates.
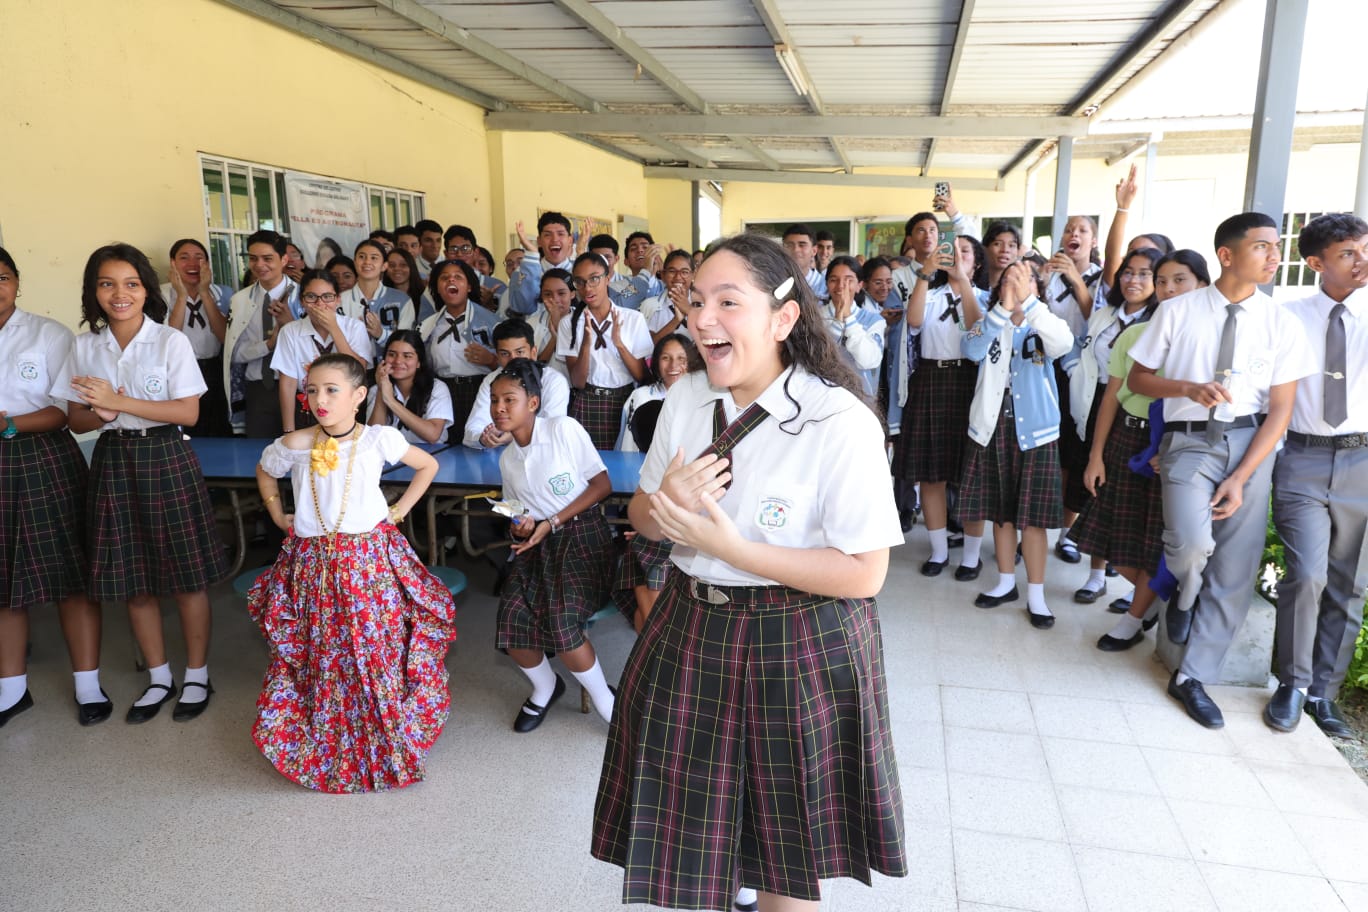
<point>1124,523</point>
<point>553,589</point>
<point>644,563</point>
<point>750,743</point>
<point>42,503</point>
<point>599,410</point>
<point>935,425</point>
<point>1004,484</point>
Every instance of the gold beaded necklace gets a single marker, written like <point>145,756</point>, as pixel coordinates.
<point>327,443</point>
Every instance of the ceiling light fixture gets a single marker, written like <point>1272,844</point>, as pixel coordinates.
<point>789,63</point>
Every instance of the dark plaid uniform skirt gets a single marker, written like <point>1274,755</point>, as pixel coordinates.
<point>1073,455</point>
<point>644,563</point>
<point>1076,496</point>
<point>553,589</point>
<point>1124,523</point>
<point>936,421</point>
<point>1004,484</point>
<point>213,413</point>
<point>150,528</point>
<point>463,393</point>
<point>599,410</point>
<point>750,744</point>
<point>42,504</point>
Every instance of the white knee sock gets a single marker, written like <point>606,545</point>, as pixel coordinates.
<point>159,675</point>
<point>1035,598</point>
<point>973,545</point>
<point>543,681</point>
<point>196,676</point>
<point>88,686</point>
<point>1005,583</point>
<point>12,690</point>
<point>1125,628</point>
<point>592,681</point>
<point>940,544</point>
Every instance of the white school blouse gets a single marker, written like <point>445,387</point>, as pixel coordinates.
<point>157,366</point>
<point>606,367</point>
<point>555,401</point>
<point>377,446</point>
<point>553,469</point>
<point>439,407</point>
<point>202,338</point>
<point>819,481</point>
<point>32,352</point>
<point>297,345</point>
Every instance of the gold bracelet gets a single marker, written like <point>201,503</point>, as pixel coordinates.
<point>394,516</point>
<point>267,501</point>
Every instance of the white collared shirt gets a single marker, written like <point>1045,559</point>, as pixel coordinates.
<point>245,342</point>
<point>555,401</point>
<point>606,367</point>
<point>941,339</point>
<point>377,446</point>
<point>157,366</point>
<point>32,352</point>
<point>447,353</point>
<point>1059,297</point>
<point>658,312</point>
<point>391,305</point>
<point>202,338</point>
<point>626,441</point>
<point>438,408</point>
<point>1184,339</point>
<point>553,469</point>
<point>1308,413</point>
<point>821,480</point>
<point>298,344</point>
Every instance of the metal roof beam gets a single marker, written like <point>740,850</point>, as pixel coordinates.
<point>747,145</point>
<point>841,156</point>
<point>831,125</point>
<point>606,29</point>
<point>951,73</point>
<point>339,42</point>
<point>605,147</point>
<point>444,29</point>
<point>676,150</point>
<point>833,178</point>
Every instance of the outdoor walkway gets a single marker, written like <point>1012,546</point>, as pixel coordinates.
<point>1038,774</point>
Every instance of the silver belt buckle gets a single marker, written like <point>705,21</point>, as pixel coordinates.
<point>706,592</point>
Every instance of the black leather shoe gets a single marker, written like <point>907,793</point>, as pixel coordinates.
<point>933,568</point>
<point>955,540</point>
<point>1148,623</point>
<point>1067,552</point>
<point>1199,706</point>
<point>965,574</point>
<point>25,702</point>
<point>1284,708</point>
<point>908,520</point>
<point>1327,716</point>
<point>1178,623</point>
<point>1119,606</point>
<point>95,713</point>
<point>1085,596</point>
<point>139,714</point>
<point>985,600</point>
<point>531,715</point>
<point>1111,571</point>
<point>184,712</point>
<point>1040,621</point>
<point>1109,643</point>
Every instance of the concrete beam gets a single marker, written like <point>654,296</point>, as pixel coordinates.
<point>830,125</point>
<point>811,178</point>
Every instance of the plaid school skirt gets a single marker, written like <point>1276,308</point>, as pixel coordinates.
<point>935,425</point>
<point>643,563</point>
<point>356,692</point>
<point>599,410</point>
<point>463,392</point>
<point>553,589</point>
<point>1004,484</point>
<point>1124,523</point>
<point>750,744</point>
<point>42,516</point>
<point>149,526</point>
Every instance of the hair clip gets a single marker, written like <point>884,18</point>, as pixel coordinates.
<point>784,288</point>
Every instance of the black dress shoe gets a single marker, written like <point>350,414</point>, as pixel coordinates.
<point>1148,623</point>
<point>1284,708</point>
<point>908,520</point>
<point>954,540</point>
<point>95,713</point>
<point>1067,552</point>
<point>965,574</point>
<point>985,600</point>
<point>139,714</point>
<point>1085,596</point>
<point>1199,706</point>
<point>933,568</point>
<point>184,712</point>
<point>1178,623</point>
<point>1109,643</point>
<point>1111,571</point>
<point>1327,715</point>
<point>1119,606</point>
<point>25,702</point>
<point>531,715</point>
<point>1040,621</point>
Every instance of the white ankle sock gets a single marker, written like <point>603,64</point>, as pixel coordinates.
<point>1125,628</point>
<point>592,681</point>
<point>1065,540</point>
<point>1097,580</point>
<point>940,544</point>
<point>745,896</point>
<point>1180,679</point>
<point>195,676</point>
<point>12,690</point>
<point>1130,596</point>
<point>88,686</point>
<point>543,680</point>
<point>159,675</point>
<point>1035,598</point>
<point>973,546</point>
<point>1005,583</point>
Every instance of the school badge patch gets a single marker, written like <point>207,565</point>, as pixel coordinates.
<point>153,385</point>
<point>561,484</point>
<point>773,513</point>
<point>28,370</point>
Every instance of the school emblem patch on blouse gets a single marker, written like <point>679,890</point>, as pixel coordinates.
<point>561,484</point>
<point>28,370</point>
<point>153,385</point>
<point>773,513</point>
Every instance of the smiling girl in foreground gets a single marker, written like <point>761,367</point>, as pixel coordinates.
<point>357,628</point>
<point>751,739</point>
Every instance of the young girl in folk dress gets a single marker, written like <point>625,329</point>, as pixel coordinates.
<point>562,564</point>
<point>149,527</point>
<point>357,627</point>
<point>751,742</point>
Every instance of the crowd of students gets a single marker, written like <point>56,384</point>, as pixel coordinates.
<point>1122,396</point>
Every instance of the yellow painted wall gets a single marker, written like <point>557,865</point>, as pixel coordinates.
<point>107,106</point>
<point>671,211</point>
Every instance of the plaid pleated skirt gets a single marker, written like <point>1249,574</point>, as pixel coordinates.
<point>643,563</point>
<point>750,744</point>
<point>1076,496</point>
<point>1124,523</point>
<point>935,425</point>
<point>42,519</point>
<point>1004,484</point>
<point>356,692</point>
<point>553,589</point>
<point>149,526</point>
<point>463,392</point>
<point>599,410</point>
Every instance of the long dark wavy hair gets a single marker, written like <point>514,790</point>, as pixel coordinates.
<point>416,285</point>
<point>978,278</point>
<point>154,306</point>
<point>809,344</point>
<point>424,378</point>
<point>472,280</point>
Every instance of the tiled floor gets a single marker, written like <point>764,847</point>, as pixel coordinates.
<point>1038,773</point>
